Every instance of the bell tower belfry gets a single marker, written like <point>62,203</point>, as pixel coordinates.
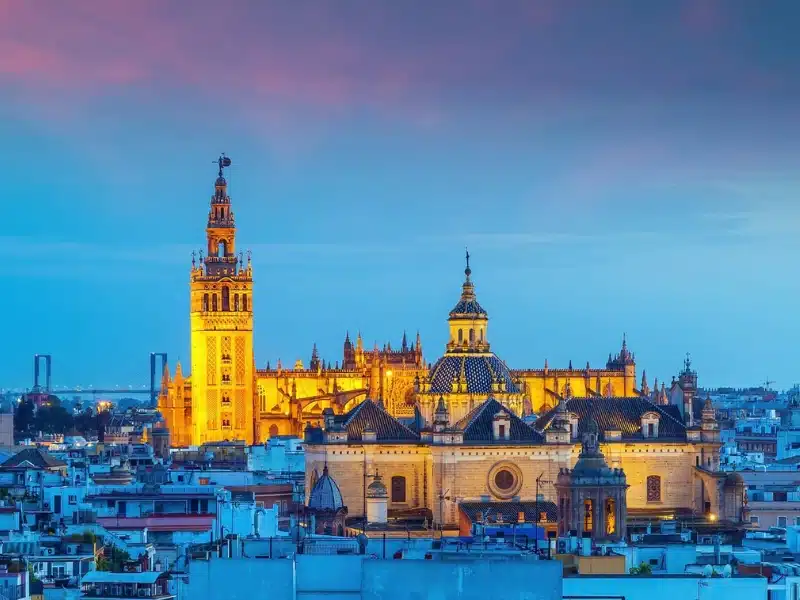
<point>221,287</point>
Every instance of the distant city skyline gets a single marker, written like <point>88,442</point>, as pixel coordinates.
<point>619,168</point>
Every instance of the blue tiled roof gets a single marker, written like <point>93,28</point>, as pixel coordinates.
<point>478,372</point>
<point>467,307</point>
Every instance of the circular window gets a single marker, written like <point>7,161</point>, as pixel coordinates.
<point>505,480</point>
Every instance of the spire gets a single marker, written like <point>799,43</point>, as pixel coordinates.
<point>165,379</point>
<point>418,343</point>
<point>404,343</point>
<point>468,306</point>
<point>570,365</point>
<point>645,389</point>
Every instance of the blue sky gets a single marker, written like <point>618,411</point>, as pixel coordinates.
<point>631,169</point>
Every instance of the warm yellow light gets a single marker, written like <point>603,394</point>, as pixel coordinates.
<point>389,373</point>
<point>712,517</point>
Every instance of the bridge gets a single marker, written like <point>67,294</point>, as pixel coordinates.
<point>45,387</point>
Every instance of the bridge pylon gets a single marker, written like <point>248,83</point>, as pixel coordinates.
<point>154,375</point>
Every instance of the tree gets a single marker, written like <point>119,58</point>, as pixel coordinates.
<point>114,561</point>
<point>642,569</point>
<point>24,415</point>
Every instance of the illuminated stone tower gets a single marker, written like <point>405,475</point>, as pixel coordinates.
<point>222,330</point>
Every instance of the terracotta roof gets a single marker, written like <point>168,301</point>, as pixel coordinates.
<point>618,414</point>
<point>36,457</point>
<point>477,425</point>
<point>509,511</point>
<point>385,426</point>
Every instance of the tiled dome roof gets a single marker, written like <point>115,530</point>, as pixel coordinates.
<point>326,494</point>
<point>477,373</point>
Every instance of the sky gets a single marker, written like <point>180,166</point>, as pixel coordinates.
<point>614,167</point>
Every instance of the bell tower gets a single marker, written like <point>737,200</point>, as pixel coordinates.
<point>221,290</point>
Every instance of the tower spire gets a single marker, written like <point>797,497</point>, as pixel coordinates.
<point>467,271</point>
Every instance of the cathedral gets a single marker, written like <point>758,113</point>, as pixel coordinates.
<point>227,397</point>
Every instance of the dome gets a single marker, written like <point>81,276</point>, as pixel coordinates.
<point>326,494</point>
<point>734,479</point>
<point>221,182</point>
<point>376,489</point>
<point>477,374</point>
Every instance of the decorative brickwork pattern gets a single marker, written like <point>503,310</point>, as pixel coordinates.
<point>240,361</point>
<point>211,360</point>
<point>211,409</point>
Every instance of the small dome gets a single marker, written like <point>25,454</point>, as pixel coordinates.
<point>734,479</point>
<point>221,182</point>
<point>376,489</point>
<point>326,495</point>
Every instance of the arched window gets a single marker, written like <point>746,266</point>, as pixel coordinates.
<point>398,489</point>
<point>222,248</point>
<point>471,336</point>
<point>226,298</point>
<point>588,515</point>
<point>214,303</point>
<point>611,516</point>
<point>244,302</point>
<point>653,488</point>
<point>273,430</point>
<point>236,302</point>
<point>481,334</point>
<point>460,336</point>
<point>205,302</point>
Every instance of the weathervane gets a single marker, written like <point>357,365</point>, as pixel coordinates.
<point>223,161</point>
<point>467,271</point>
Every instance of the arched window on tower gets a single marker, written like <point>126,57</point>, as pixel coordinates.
<point>226,298</point>
<point>471,336</point>
<point>214,303</point>
<point>588,515</point>
<point>222,248</point>
<point>244,302</point>
<point>205,302</point>
<point>236,302</point>
<point>481,334</point>
<point>460,336</point>
<point>611,516</point>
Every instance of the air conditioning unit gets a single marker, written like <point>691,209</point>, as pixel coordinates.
<point>72,549</point>
<point>47,551</point>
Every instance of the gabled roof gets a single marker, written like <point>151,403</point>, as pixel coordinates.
<point>618,414</point>
<point>33,458</point>
<point>477,425</point>
<point>385,426</point>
